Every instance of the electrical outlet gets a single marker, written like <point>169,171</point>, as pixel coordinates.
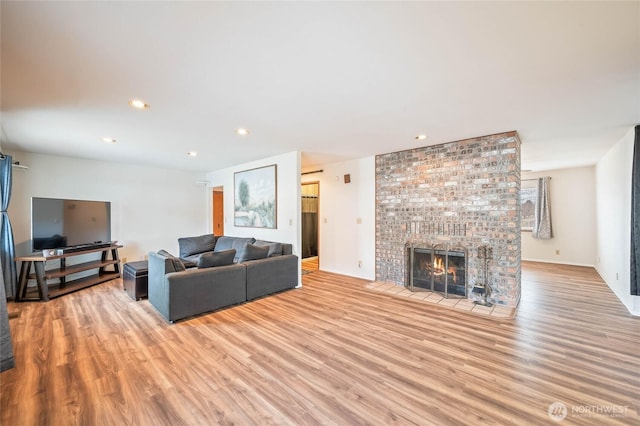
<point>557,251</point>
<point>359,263</point>
<point>617,277</point>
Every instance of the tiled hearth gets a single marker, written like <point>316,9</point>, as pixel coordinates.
<point>495,312</point>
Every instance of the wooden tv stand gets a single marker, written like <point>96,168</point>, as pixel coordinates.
<point>64,286</point>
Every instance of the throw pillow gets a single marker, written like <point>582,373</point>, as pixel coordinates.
<point>195,245</point>
<point>178,266</point>
<point>275,249</point>
<point>253,252</point>
<point>216,258</point>
<point>237,243</point>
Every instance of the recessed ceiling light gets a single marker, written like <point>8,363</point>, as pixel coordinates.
<point>242,132</point>
<point>137,103</point>
<point>192,153</point>
<point>108,140</point>
<point>421,137</point>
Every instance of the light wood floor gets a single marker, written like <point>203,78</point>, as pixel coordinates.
<point>332,352</point>
<point>310,263</point>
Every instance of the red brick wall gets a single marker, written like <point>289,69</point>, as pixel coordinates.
<point>427,195</point>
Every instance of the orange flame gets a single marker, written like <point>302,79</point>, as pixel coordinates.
<point>438,268</point>
<point>438,265</point>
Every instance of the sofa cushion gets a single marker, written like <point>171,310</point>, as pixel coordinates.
<point>237,243</point>
<point>178,266</point>
<point>275,249</point>
<point>191,261</point>
<point>216,258</point>
<point>253,252</point>
<point>194,245</point>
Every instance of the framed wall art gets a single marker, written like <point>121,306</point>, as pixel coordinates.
<point>255,197</point>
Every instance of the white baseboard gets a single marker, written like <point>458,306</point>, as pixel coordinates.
<point>558,263</point>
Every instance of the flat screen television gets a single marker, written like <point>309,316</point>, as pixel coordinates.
<point>58,223</point>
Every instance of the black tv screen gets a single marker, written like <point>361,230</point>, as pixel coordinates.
<point>58,223</point>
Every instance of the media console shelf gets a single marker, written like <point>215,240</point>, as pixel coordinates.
<point>64,286</point>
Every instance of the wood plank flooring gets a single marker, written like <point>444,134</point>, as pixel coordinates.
<point>332,352</point>
<point>310,264</point>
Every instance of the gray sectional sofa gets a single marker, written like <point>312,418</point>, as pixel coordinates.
<point>214,272</point>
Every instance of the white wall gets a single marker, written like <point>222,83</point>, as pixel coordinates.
<point>613,192</point>
<point>288,198</point>
<point>573,216</point>
<point>150,207</point>
<point>346,240</point>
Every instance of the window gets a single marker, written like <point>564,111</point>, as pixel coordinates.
<point>528,196</point>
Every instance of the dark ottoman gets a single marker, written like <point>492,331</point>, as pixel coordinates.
<point>136,279</point>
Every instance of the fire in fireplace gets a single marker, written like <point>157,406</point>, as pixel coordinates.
<point>438,269</point>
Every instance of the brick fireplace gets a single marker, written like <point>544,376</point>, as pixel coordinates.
<point>458,194</point>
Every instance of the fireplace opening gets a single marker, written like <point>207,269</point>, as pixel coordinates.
<point>438,269</point>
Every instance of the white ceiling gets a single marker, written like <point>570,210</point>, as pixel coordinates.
<point>332,80</point>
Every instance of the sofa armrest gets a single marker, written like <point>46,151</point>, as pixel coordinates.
<point>158,294</point>
<point>270,275</point>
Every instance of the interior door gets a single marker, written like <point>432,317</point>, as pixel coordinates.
<point>218,212</point>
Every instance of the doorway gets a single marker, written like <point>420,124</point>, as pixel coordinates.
<point>310,194</point>
<point>218,211</point>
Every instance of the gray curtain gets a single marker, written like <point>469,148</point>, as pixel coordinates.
<point>635,217</point>
<point>7,247</point>
<point>309,226</point>
<point>6,348</point>
<point>542,218</point>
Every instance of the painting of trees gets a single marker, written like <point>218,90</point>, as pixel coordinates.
<point>255,197</point>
